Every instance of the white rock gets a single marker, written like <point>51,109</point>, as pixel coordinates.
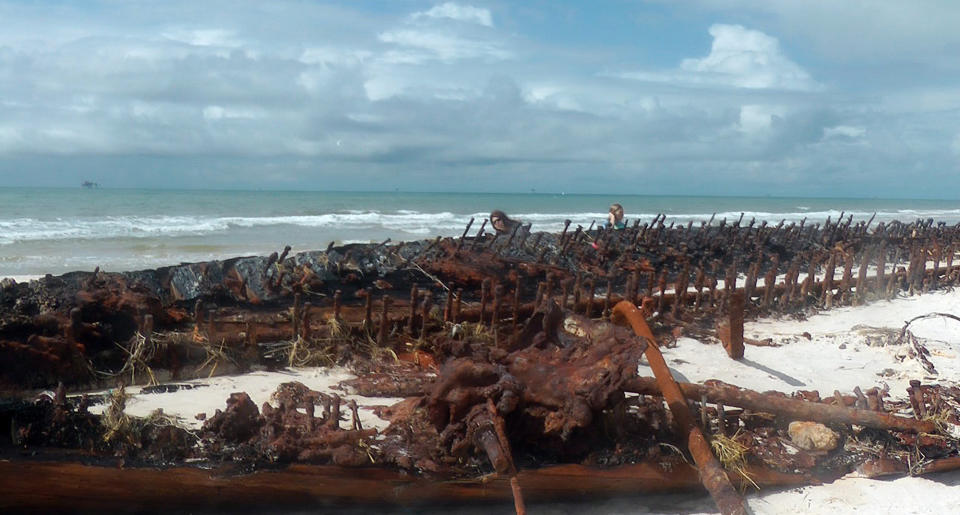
<point>812,436</point>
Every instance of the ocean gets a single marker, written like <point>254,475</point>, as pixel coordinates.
<point>51,230</point>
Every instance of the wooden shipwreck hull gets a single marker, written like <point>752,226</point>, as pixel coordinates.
<point>519,382</point>
<point>56,486</point>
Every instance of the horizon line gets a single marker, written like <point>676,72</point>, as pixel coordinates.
<point>416,192</point>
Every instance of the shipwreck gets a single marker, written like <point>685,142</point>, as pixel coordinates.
<point>515,355</point>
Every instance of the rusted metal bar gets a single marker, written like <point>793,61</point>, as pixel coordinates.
<point>735,347</point>
<point>729,283</point>
<point>631,291</point>
<point>479,235</point>
<point>384,321</point>
<point>591,290</point>
<point>790,284</point>
<point>606,299</point>
<point>862,275</point>
<point>38,486</point>
<point>495,316</point>
<point>807,287</point>
<point>698,284</point>
<point>794,409</point>
<point>283,255</point>
<point>337,295</point>
<point>940,465</point>
<point>147,330</point>
<point>211,324</point>
<point>680,288</point>
<point>413,309</point>
<point>917,400</point>
<point>305,329</point>
<point>721,419</point>
<point>711,472</point>
<point>464,235</point>
<point>516,307</point>
<point>847,275</point>
<point>770,282</point>
<point>881,267</point>
<point>563,233</point>
<point>448,306</point>
<point>828,278</point>
<point>456,306</point>
<point>484,293</point>
<point>548,286</point>
<point>577,293</point>
<point>862,402</point>
<point>295,319</point>
<point>368,312</point>
<point>425,313</point>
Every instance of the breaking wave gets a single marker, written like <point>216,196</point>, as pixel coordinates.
<point>404,224</point>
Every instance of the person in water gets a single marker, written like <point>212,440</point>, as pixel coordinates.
<point>615,218</point>
<point>501,222</point>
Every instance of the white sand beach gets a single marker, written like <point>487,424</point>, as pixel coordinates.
<point>847,347</point>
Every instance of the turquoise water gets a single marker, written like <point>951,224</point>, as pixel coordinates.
<point>59,230</point>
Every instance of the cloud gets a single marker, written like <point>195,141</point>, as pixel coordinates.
<point>204,37</point>
<point>440,99</point>
<point>846,133</point>
<point>328,56</point>
<point>758,119</point>
<point>446,47</point>
<point>856,31</point>
<point>453,11</point>
<point>215,112</point>
<point>740,58</point>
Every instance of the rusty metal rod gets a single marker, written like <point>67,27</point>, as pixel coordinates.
<point>414,294</point>
<point>712,474</point>
<point>464,235</point>
<point>716,391</point>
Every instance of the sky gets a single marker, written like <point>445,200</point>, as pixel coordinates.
<point>703,97</point>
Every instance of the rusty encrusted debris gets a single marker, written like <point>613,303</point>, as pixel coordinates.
<point>504,349</point>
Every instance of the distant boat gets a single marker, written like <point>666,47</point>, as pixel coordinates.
<point>90,185</point>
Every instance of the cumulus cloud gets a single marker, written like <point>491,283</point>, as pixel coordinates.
<point>437,99</point>
<point>859,31</point>
<point>453,11</point>
<point>741,58</point>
